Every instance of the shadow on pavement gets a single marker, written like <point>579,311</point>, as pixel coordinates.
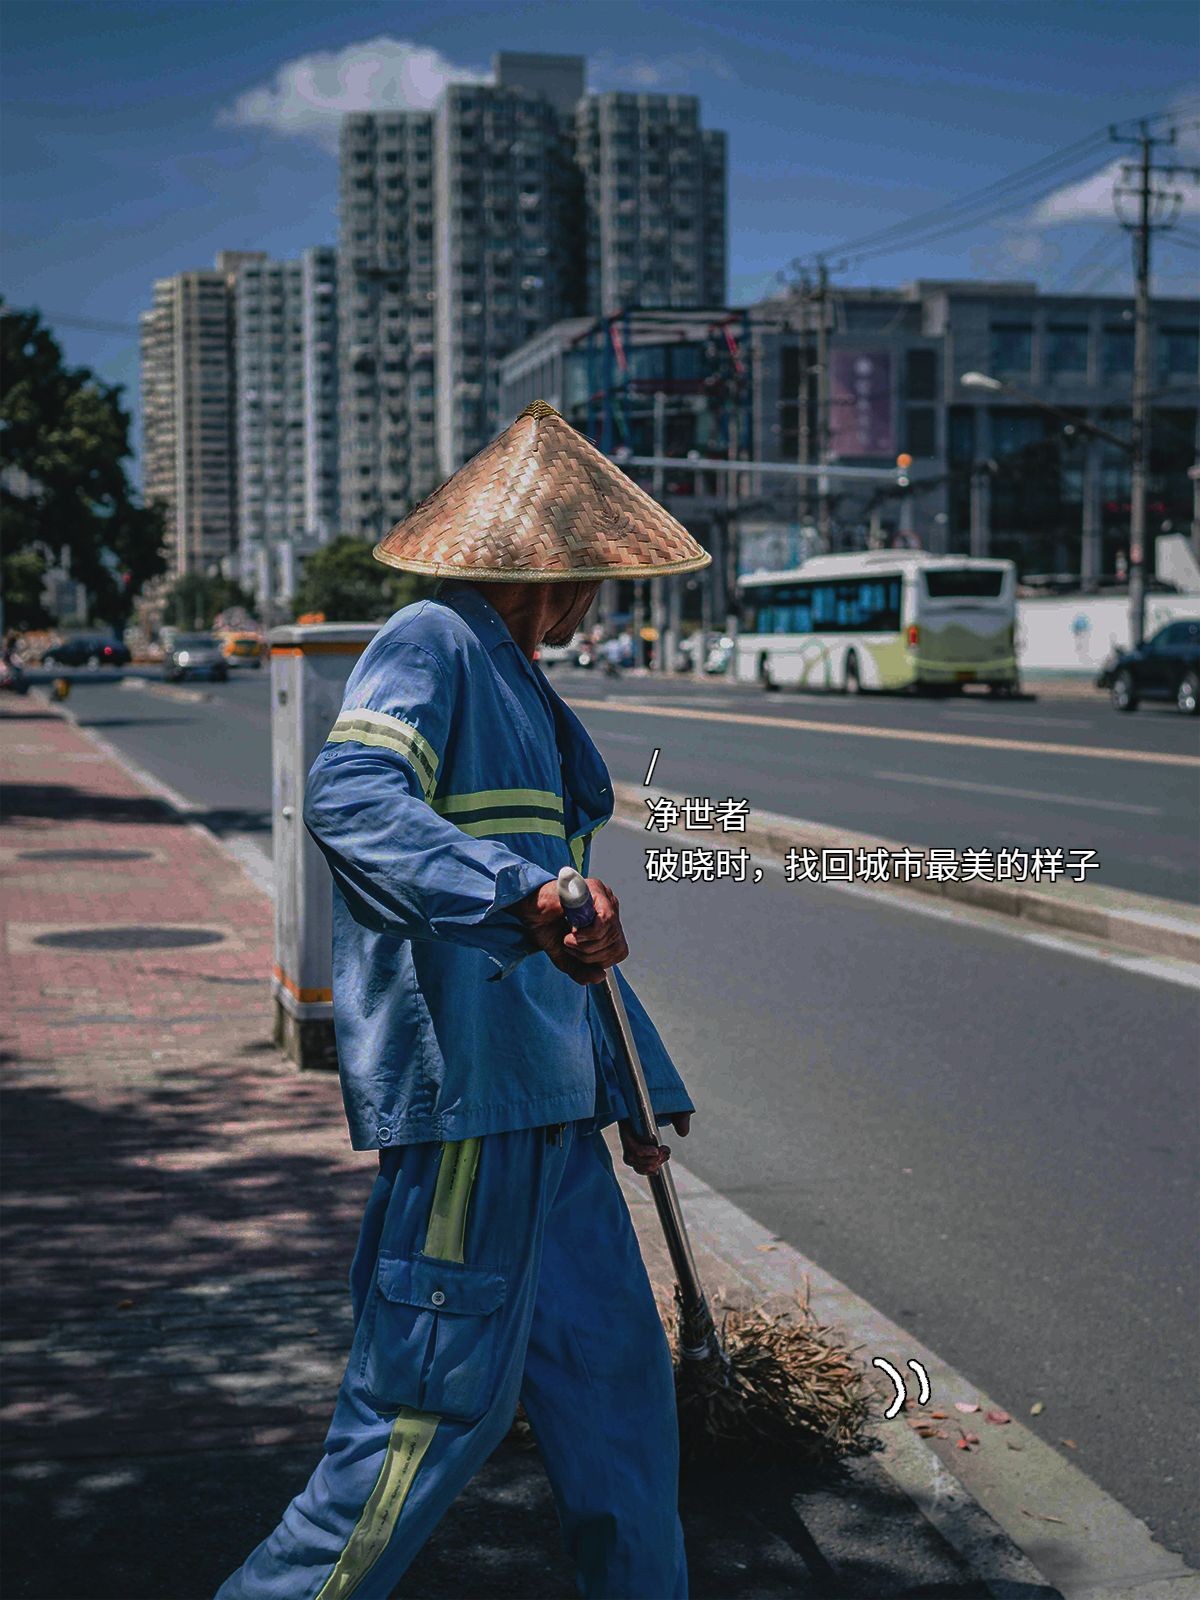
<point>55,802</point>
<point>174,1290</point>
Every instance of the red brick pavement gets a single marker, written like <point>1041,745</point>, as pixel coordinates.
<point>181,1204</point>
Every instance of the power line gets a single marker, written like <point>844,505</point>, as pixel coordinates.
<point>1008,187</point>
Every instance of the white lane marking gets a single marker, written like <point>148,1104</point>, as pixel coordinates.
<point>1021,794</point>
<point>1185,974</point>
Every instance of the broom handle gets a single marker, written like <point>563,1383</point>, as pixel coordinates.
<point>580,912</point>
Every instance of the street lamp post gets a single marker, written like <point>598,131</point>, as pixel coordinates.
<point>1137,508</point>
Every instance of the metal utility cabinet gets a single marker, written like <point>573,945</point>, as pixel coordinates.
<point>309,668</point>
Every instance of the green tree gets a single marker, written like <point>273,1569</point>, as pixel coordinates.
<point>194,600</point>
<point>64,442</point>
<point>23,576</point>
<point>345,582</point>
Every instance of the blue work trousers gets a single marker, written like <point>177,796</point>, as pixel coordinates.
<point>487,1271</point>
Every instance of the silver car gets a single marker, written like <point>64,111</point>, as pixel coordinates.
<point>195,655</point>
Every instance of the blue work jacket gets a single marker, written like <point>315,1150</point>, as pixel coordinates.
<point>454,783</point>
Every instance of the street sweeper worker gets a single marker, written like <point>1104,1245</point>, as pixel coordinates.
<point>496,1261</point>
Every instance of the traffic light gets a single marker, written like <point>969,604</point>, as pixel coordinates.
<point>903,462</point>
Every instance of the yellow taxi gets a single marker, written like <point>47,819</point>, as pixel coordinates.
<point>243,650</point>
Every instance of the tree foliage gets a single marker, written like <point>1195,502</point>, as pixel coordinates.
<point>343,581</point>
<point>194,600</point>
<point>64,442</point>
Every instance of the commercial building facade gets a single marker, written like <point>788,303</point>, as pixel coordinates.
<point>991,469</point>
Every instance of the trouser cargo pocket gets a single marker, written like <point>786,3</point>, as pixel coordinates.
<point>431,1336</point>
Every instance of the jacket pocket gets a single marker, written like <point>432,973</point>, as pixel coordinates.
<point>431,1340</point>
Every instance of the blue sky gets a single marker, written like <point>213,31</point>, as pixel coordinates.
<point>138,139</point>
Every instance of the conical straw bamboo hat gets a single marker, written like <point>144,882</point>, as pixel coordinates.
<point>540,504</point>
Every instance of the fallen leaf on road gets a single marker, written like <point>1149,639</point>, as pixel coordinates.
<point>927,1432</point>
<point>1036,1410</point>
<point>997,1416</point>
<point>124,1305</point>
<point>766,1247</point>
<point>1070,1444</point>
<point>940,1415</point>
<point>1040,1516</point>
<point>966,1405</point>
<point>1013,1446</point>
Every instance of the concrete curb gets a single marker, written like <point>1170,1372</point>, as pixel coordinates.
<point>1140,923</point>
<point>991,1503</point>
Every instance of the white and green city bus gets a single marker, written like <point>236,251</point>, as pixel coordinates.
<point>886,619</point>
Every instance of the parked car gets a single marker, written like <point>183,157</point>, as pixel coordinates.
<point>87,650</point>
<point>195,655</point>
<point>243,650</point>
<point>1166,667</point>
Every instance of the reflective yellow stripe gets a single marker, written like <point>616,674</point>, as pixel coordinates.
<point>385,732</point>
<point>493,825</point>
<point>512,799</point>
<point>447,1229</point>
<point>412,1434</point>
<point>500,797</point>
<point>580,843</point>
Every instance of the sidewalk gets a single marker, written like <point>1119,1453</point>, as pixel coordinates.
<point>181,1206</point>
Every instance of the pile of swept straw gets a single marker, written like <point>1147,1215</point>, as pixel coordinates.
<point>790,1388</point>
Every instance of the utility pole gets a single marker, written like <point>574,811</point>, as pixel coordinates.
<point>1152,206</point>
<point>664,645</point>
<point>823,399</point>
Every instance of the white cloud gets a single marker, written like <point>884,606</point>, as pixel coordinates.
<point>1091,199</point>
<point>308,97</point>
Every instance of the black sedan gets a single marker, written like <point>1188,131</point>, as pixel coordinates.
<point>1166,667</point>
<point>87,650</point>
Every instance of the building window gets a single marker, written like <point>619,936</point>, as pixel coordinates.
<point>1178,352</point>
<point>1067,350</point>
<point>922,376</point>
<point>921,431</point>
<point>1012,348</point>
<point>1116,348</point>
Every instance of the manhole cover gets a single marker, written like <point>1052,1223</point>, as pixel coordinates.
<point>127,938</point>
<point>86,855</point>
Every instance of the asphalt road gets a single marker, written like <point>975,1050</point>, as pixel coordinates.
<point>992,1142</point>
<point>966,772</point>
<point>873,765</point>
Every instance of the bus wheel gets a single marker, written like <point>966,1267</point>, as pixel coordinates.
<point>853,681</point>
<point>764,675</point>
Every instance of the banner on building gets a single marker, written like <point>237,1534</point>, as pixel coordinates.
<point>860,404</point>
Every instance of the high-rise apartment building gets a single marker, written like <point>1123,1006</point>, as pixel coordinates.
<point>385,318</point>
<point>467,231</point>
<point>655,191</point>
<point>188,412</point>
<point>269,375</point>
<point>320,332</point>
<point>509,236</point>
